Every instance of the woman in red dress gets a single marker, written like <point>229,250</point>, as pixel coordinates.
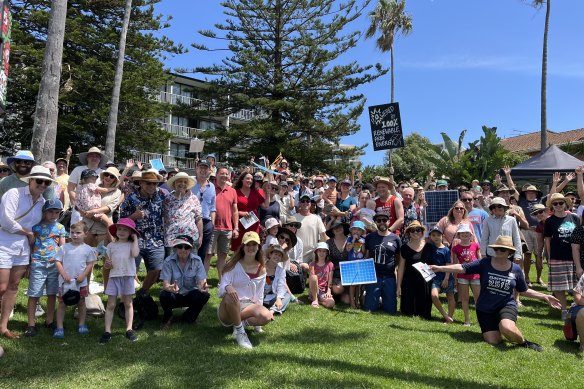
<point>248,200</point>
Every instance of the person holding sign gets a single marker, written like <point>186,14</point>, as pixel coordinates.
<point>496,307</point>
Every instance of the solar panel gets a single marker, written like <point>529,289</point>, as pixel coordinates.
<point>439,203</point>
<point>361,271</point>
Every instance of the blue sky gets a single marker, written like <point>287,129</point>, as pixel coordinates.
<point>467,63</point>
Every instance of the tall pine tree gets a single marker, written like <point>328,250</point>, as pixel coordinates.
<point>287,64</point>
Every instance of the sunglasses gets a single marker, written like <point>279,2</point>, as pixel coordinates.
<point>4,170</point>
<point>275,188</point>
<point>305,201</point>
<point>109,175</point>
<point>381,220</point>
<point>150,183</point>
<point>284,237</point>
<point>182,247</point>
<point>558,203</point>
<point>498,206</point>
<point>501,250</point>
<point>459,208</point>
<point>416,230</point>
<point>21,162</point>
<point>537,213</point>
<point>40,181</point>
<point>466,200</point>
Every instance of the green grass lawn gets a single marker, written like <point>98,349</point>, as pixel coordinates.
<point>305,347</point>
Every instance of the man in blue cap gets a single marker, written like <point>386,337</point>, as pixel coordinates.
<point>21,164</point>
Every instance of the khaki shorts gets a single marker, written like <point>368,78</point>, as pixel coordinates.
<point>531,240</point>
<point>221,242</point>
<point>95,227</point>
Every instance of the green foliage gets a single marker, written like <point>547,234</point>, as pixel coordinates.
<point>285,63</point>
<point>414,160</point>
<point>370,172</point>
<point>389,19</point>
<point>89,53</point>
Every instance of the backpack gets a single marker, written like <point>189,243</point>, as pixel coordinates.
<point>295,280</point>
<point>94,306</point>
<point>145,308</point>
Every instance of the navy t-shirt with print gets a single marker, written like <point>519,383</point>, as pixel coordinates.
<point>383,250</point>
<point>496,286</point>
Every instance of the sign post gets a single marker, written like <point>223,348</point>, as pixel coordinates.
<point>386,129</point>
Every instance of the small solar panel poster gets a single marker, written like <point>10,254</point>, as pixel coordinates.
<point>386,127</point>
<point>358,272</point>
<point>439,203</point>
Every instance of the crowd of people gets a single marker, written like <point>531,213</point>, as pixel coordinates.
<point>286,232</point>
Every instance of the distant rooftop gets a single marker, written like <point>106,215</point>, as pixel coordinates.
<point>530,143</point>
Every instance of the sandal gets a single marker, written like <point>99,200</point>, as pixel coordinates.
<point>59,333</point>
<point>30,331</point>
<point>10,335</point>
<point>83,329</point>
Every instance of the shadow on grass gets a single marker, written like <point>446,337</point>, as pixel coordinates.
<point>322,336</point>
<point>463,335</point>
<point>567,347</point>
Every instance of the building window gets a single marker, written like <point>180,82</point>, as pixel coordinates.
<point>178,149</point>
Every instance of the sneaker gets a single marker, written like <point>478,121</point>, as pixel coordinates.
<point>30,331</point>
<point>531,345</point>
<point>105,337</point>
<point>564,314</point>
<point>59,333</point>
<point>259,329</point>
<point>131,336</point>
<point>83,329</point>
<point>243,340</point>
<point>39,311</point>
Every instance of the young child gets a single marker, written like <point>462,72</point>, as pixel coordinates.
<point>355,246</point>
<point>75,261</point>
<point>271,225</point>
<point>49,235</point>
<point>276,279</point>
<point>466,251</point>
<point>119,259</point>
<point>321,277</point>
<point>366,214</point>
<point>443,282</point>
<point>88,194</point>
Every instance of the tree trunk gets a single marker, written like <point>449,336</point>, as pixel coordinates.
<point>44,131</point>
<point>544,141</point>
<point>112,122</point>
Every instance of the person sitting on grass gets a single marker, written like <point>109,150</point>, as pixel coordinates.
<point>242,290</point>
<point>49,236</point>
<point>75,261</point>
<point>321,277</point>
<point>122,270</point>
<point>276,258</point>
<point>184,282</point>
<point>496,307</point>
<point>574,325</point>
<point>442,282</point>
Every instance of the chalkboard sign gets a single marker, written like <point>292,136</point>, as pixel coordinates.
<point>386,129</point>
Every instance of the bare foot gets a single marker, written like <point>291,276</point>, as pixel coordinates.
<point>315,304</point>
<point>448,320</point>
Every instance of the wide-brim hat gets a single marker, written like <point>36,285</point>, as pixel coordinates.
<point>558,197</point>
<point>183,175</point>
<point>359,225</point>
<point>111,170</point>
<point>279,249</point>
<point>96,150</point>
<point>498,201</point>
<point>483,182</point>
<point>3,165</point>
<point>463,227</point>
<point>39,171</point>
<point>126,222</point>
<point>503,242</point>
<point>63,160</point>
<point>322,246</point>
<point>536,208</point>
<point>150,175</point>
<point>291,221</point>
<point>414,224</point>
<point>383,180</point>
<point>336,224</point>
<point>22,155</point>
<point>291,235</point>
<point>271,222</point>
<point>502,188</point>
<point>531,188</point>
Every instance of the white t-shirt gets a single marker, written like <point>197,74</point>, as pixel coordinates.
<point>75,259</point>
<point>309,232</point>
<point>123,263</point>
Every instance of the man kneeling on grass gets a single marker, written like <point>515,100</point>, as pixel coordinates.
<point>496,307</point>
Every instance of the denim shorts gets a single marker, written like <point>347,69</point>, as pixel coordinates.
<point>40,276</point>
<point>436,284</point>
<point>153,258</point>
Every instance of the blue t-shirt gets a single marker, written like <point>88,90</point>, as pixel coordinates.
<point>46,241</point>
<point>383,250</point>
<point>344,205</point>
<point>476,217</point>
<point>496,286</point>
<point>440,257</point>
<point>358,250</point>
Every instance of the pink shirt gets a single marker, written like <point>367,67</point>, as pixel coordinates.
<point>466,254</point>
<point>322,273</point>
<point>225,199</point>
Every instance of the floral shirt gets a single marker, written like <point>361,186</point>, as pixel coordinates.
<point>87,197</point>
<point>46,242</point>
<point>180,216</point>
<point>150,227</point>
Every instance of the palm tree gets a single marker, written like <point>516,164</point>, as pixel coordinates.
<point>390,19</point>
<point>539,4</point>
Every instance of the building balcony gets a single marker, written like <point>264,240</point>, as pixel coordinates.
<point>181,131</point>
<point>169,161</point>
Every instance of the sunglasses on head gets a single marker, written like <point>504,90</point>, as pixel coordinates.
<point>558,203</point>
<point>40,181</point>
<point>182,247</point>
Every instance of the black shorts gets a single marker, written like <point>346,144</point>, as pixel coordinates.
<point>490,321</point>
